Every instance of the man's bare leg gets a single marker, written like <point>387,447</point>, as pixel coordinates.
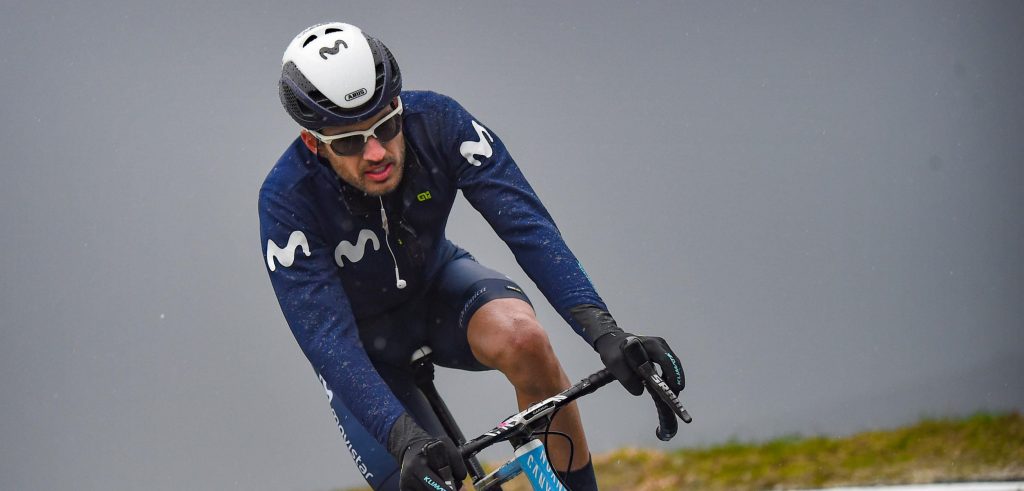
<point>504,334</point>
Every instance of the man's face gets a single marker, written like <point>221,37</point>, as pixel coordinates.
<point>377,169</point>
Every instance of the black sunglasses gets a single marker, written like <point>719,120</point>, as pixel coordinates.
<point>353,142</point>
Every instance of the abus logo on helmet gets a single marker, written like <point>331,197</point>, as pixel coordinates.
<point>353,95</point>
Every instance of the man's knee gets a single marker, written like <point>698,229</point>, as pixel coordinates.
<point>525,337</point>
<point>505,332</point>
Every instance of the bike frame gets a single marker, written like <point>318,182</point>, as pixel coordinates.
<point>530,459</point>
<point>533,461</point>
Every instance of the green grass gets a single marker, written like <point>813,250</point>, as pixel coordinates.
<point>981,447</point>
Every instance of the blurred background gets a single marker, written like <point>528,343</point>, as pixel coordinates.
<point>818,204</point>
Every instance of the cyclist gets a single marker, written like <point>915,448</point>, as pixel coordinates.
<point>352,221</point>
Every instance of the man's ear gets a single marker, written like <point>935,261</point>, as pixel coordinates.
<point>309,140</point>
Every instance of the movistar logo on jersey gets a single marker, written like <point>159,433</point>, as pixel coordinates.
<point>360,465</point>
<point>354,252</point>
<point>286,255</point>
<point>425,195</point>
<point>469,149</point>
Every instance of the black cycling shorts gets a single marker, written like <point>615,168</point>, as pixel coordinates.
<point>437,318</point>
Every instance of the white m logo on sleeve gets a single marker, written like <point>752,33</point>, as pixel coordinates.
<point>483,147</point>
<point>286,256</point>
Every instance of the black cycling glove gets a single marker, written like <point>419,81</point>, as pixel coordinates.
<point>600,329</point>
<point>428,463</point>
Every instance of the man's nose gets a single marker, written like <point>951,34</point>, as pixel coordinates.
<point>373,150</point>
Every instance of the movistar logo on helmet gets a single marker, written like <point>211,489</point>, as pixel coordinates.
<point>332,51</point>
<point>355,94</point>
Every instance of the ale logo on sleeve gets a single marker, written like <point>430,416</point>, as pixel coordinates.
<point>286,255</point>
<point>469,149</point>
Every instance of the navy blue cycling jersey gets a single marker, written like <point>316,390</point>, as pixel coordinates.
<point>326,243</point>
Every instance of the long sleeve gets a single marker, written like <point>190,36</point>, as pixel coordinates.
<point>303,273</point>
<point>494,185</point>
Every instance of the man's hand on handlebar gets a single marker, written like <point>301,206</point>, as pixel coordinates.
<point>612,348</point>
<point>431,465</point>
<point>600,329</point>
<point>637,362</point>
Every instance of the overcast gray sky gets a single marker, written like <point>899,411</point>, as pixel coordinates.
<point>819,204</point>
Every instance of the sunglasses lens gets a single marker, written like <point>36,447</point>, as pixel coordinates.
<point>389,129</point>
<point>350,145</point>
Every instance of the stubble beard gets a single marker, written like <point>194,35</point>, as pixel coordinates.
<point>374,189</point>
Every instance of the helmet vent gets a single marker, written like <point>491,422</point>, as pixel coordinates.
<point>379,79</point>
<point>293,105</point>
<point>309,40</point>
<point>323,101</point>
<point>332,29</point>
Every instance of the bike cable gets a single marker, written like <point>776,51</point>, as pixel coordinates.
<point>572,446</point>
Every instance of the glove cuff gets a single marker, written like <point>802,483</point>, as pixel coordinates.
<point>404,433</point>
<point>594,321</point>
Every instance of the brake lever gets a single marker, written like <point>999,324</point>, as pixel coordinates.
<point>668,425</point>
<point>666,402</point>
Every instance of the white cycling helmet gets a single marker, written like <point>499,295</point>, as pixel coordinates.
<point>334,74</point>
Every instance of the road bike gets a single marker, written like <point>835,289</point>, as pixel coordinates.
<point>523,430</point>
